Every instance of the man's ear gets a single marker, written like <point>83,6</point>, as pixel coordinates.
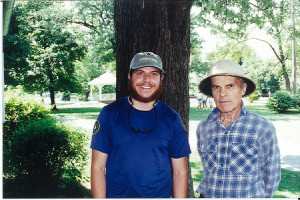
<point>244,88</point>
<point>129,76</point>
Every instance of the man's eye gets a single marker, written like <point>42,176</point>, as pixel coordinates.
<point>154,74</point>
<point>215,87</point>
<point>139,73</point>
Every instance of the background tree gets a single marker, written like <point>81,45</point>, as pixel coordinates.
<point>198,67</point>
<point>95,19</point>
<point>265,73</point>
<point>55,53</point>
<point>53,49</point>
<point>162,27</point>
<point>233,18</point>
<point>16,47</point>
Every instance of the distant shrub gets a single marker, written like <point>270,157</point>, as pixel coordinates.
<point>18,111</point>
<point>298,97</point>
<point>41,158</point>
<point>281,101</point>
<point>255,96</point>
<point>45,155</point>
<point>66,97</point>
<point>108,89</point>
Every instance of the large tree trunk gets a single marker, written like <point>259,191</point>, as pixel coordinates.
<point>162,27</point>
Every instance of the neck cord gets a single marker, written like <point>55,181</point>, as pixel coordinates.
<point>137,130</point>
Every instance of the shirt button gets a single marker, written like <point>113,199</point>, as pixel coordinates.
<point>226,132</point>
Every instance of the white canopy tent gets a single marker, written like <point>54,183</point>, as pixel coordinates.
<point>105,79</point>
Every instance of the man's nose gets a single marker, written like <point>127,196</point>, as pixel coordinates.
<point>146,77</point>
<point>223,92</point>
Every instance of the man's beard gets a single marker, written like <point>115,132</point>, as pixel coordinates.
<point>134,93</point>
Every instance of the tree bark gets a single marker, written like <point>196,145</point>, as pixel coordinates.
<point>52,98</point>
<point>52,91</point>
<point>162,27</point>
<point>282,62</point>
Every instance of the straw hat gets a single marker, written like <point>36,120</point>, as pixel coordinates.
<point>226,68</point>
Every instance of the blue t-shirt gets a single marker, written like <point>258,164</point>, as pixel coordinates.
<point>138,164</point>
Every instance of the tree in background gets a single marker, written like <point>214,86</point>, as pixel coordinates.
<point>162,27</point>
<point>266,74</point>
<point>95,19</point>
<point>197,67</point>
<point>51,64</point>
<point>233,18</point>
<point>16,47</point>
<point>55,53</point>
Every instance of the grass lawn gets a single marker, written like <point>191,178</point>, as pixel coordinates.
<point>290,184</point>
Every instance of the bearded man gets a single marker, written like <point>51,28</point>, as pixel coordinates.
<point>137,139</point>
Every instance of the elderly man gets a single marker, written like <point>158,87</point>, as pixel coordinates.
<point>239,149</point>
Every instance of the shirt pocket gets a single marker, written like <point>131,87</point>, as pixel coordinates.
<point>244,158</point>
<point>209,157</point>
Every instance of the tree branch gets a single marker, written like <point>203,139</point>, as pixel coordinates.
<point>85,24</point>
<point>273,49</point>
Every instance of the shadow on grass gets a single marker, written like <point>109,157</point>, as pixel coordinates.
<point>93,112</point>
<point>198,114</point>
<point>83,113</point>
<point>16,188</point>
<point>290,180</point>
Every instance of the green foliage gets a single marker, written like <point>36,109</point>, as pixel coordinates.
<point>235,19</point>
<point>108,89</point>
<point>41,158</point>
<point>66,97</point>
<point>19,110</point>
<point>45,155</point>
<point>267,80</point>
<point>50,63</point>
<point>16,47</point>
<point>298,97</point>
<point>237,52</point>
<point>96,18</point>
<point>196,64</point>
<point>255,96</point>
<point>281,101</point>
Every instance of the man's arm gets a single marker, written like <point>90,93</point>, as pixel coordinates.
<point>180,177</point>
<point>271,169</point>
<point>98,182</point>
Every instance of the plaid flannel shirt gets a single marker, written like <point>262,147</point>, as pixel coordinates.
<point>241,160</point>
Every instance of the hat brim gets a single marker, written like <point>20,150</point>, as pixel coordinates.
<point>205,85</point>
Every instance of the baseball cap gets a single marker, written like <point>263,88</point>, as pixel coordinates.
<point>226,68</point>
<point>146,59</point>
